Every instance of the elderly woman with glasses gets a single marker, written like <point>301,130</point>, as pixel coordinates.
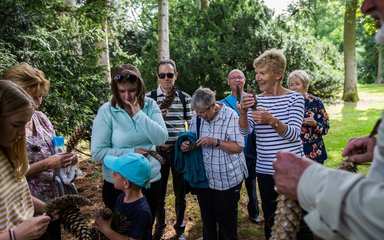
<point>129,122</point>
<point>224,162</point>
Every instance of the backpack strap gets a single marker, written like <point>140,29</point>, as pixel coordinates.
<point>225,99</point>
<point>182,99</point>
<point>154,95</point>
<point>198,123</point>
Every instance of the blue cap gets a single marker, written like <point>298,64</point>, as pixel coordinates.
<point>58,141</point>
<point>133,166</point>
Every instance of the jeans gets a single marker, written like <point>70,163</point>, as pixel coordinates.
<point>179,191</point>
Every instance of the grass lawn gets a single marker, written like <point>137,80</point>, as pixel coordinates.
<point>348,120</point>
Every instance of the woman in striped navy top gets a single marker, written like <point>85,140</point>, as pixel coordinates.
<point>277,122</point>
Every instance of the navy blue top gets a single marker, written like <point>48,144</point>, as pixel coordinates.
<point>138,213</point>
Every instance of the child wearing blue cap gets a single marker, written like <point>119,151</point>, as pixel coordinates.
<point>132,172</point>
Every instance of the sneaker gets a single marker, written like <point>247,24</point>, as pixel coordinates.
<point>255,220</point>
<point>158,233</point>
<point>182,237</point>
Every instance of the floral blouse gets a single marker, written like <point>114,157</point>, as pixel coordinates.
<point>39,147</point>
<point>311,137</point>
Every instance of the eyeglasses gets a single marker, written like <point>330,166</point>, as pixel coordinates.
<point>162,75</point>
<point>129,78</point>
<point>236,78</point>
<point>205,111</point>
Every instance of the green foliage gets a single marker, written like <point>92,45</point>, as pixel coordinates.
<point>60,41</point>
<point>207,44</point>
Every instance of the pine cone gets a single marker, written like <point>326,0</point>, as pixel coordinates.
<point>74,223</point>
<point>192,147</point>
<point>249,90</point>
<point>76,136</point>
<point>238,93</point>
<point>118,223</point>
<point>157,156</point>
<point>168,100</point>
<point>68,201</point>
<point>287,218</point>
<point>348,165</point>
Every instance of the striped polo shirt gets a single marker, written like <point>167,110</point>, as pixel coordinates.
<point>15,199</point>
<point>289,109</point>
<point>175,120</point>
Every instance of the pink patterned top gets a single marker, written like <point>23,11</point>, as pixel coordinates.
<point>39,147</point>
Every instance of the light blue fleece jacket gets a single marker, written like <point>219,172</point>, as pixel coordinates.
<point>115,133</point>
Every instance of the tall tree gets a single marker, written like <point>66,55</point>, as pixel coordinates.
<point>204,4</point>
<point>163,31</point>
<point>350,66</point>
<point>379,77</point>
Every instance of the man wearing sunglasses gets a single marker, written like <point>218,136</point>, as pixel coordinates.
<point>175,117</point>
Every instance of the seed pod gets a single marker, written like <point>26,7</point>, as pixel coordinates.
<point>238,93</point>
<point>249,90</point>
<point>76,136</point>
<point>287,218</point>
<point>168,100</point>
<point>348,165</point>
<point>65,202</point>
<point>157,156</point>
<point>192,147</point>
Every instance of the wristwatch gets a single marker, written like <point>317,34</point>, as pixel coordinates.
<point>276,124</point>
<point>217,142</point>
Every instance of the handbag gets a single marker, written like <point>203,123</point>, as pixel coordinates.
<point>64,178</point>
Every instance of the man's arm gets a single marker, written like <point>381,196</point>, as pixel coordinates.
<point>340,205</point>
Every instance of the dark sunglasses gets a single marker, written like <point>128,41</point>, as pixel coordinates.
<point>162,75</point>
<point>129,78</point>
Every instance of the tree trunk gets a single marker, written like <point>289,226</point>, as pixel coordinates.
<point>350,65</point>
<point>104,56</point>
<point>379,78</point>
<point>163,30</point>
<point>70,2</point>
<point>204,4</point>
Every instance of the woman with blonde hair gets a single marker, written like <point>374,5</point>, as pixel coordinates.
<point>39,133</point>
<point>316,121</point>
<point>17,206</point>
<point>277,121</point>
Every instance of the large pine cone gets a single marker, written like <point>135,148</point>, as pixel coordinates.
<point>70,216</point>
<point>60,204</point>
<point>76,136</point>
<point>287,218</point>
<point>73,221</point>
<point>348,165</point>
<point>157,156</point>
<point>118,224</point>
<point>168,100</point>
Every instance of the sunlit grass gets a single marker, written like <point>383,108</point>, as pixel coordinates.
<point>348,120</point>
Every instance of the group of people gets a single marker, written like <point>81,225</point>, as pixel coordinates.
<point>268,137</point>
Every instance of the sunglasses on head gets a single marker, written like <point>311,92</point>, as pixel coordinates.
<point>129,78</point>
<point>162,75</point>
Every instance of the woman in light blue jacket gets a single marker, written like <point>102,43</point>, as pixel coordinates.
<point>130,122</point>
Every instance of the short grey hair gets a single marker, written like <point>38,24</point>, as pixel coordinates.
<point>203,98</point>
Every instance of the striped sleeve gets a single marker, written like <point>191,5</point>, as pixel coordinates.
<point>15,199</point>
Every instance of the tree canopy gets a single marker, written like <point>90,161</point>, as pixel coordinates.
<point>206,43</point>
